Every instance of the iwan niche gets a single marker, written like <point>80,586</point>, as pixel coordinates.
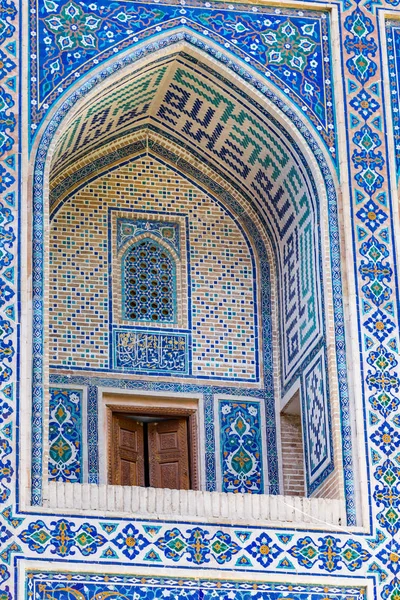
<point>189,289</point>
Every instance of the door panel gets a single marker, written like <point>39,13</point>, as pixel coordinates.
<point>127,452</point>
<point>169,454</point>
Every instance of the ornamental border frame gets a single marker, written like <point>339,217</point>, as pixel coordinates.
<point>366,583</point>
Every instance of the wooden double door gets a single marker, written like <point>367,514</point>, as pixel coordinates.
<point>154,454</point>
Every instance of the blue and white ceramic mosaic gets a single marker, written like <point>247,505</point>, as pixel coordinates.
<point>241,447</point>
<point>68,40</point>
<point>146,588</point>
<point>151,352</point>
<point>128,229</point>
<point>316,417</point>
<point>65,435</point>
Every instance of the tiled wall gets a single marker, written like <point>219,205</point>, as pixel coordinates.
<point>366,135</point>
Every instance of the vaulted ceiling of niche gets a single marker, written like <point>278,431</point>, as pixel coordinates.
<point>181,110</point>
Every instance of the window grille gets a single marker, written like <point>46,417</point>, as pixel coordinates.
<point>148,273</point>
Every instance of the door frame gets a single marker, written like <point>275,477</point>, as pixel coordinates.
<point>162,411</point>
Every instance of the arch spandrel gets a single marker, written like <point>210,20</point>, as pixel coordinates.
<point>288,47</point>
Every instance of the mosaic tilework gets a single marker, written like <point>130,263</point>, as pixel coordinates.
<point>88,586</point>
<point>376,263</point>
<point>212,233</point>
<point>339,335</point>
<point>9,317</point>
<point>65,435</point>
<point>125,228</point>
<point>318,554</point>
<point>240,447</point>
<point>393,45</point>
<point>270,417</point>
<point>128,229</point>
<point>289,47</point>
<point>173,545</point>
<point>92,384</point>
<point>264,166</point>
<point>92,434</point>
<point>316,429</point>
<point>151,352</point>
<point>210,455</point>
<point>114,114</point>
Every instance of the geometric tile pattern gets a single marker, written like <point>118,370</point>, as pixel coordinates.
<point>298,315</point>
<point>112,114</point>
<point>316,419</point>
<point>80,285</point>
<point>65,435</point>
<point>240,447</point>
<point>310,306</point>
<point>264,169</point>
<point>290,206</point>
<point>289,47</point>
<point>125,228</point>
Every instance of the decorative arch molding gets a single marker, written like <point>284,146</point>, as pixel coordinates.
<point>38,263</point>
<point>141,236</point>
<point>276,103</point>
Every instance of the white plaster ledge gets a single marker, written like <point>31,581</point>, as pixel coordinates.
<point>189,505</point>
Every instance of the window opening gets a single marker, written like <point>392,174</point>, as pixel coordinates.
<point>149,283</point>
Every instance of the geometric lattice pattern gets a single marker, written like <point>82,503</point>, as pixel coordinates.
<point>240,447</point>
<point>316,419</point>
<point>269,172</point>
<point>65,435</point>
<point>115,112</point>
<point>221,269</point>
<point>149,287</point>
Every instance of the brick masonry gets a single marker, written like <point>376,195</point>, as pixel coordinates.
<point>292,455</point>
